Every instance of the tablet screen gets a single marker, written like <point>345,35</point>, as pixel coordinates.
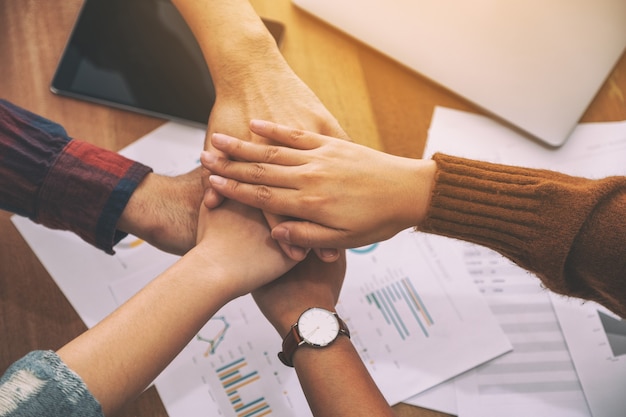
<point>139,55</point>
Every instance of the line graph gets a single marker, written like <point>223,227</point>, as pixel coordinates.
<point>213,333</point>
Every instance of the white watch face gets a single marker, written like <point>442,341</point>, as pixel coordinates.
<point>318,327</point>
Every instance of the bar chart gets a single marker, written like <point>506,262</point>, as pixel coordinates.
<point>235,377</point>
<point>401,296</point>
<point>234,358</point>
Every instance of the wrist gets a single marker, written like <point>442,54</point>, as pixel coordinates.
<point>260,65</point>
<point>135,218</point>
<point>209,275</point>
<point>163,211</point>
<point>232,37</point>
<point>305,355</point>
<point>317,328</point>
<point>421,177</point>
<point>284,321</point>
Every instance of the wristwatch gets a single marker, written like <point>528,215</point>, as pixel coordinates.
<point>315,327</point>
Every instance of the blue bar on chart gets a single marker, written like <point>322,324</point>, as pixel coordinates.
<point>234,379</point>
<point>390,298</point>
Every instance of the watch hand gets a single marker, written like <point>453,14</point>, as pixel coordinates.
<point>312,332</point>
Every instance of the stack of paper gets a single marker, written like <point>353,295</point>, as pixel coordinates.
<point>568,359</point>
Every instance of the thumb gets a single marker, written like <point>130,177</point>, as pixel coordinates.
<point>309,235</point>
<point>212,198</point>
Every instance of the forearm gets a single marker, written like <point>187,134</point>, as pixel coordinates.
<point>336,382</point>
<point>123,354</point>
<point>549,223</point>
<point>232,38</point>
<point>251,77</point>
<point>333,378</point>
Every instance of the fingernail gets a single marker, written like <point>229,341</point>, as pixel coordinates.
<point>281,233</point>
<point>298,253</point>
<point>257,124</point>
<point>208,157</point>
<point>329,253</point>
<point>219,139</point>
<point>217,180</point>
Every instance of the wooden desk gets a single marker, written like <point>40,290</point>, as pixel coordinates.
<point>379,103</point>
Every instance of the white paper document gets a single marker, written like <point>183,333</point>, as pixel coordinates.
<point>415,316</point>
<point>538,378</point>
<point>440,398</point>
<point>549,369</point>
<point>414,321</point>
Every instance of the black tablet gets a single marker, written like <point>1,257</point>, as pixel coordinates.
<point>138,55</point>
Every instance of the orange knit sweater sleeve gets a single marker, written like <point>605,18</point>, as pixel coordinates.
<point>569,231</point>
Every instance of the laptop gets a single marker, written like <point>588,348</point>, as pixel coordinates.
<point>534,64</point>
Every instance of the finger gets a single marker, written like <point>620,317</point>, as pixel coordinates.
<point>254,152</point>
<point>309,235</point>
<point>212,198</point>
<point>208,146</point>
<point>280,201</point>
<point>291,137</point>
<point>250,172</point>
<point>294,252</point>
<point>325,254</point>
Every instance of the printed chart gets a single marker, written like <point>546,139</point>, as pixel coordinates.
<point>213,334</point>
<point>615,332</point>
<point>233,361</point>
<point>406,299</point>
<point>398,297</point>
<point>538,376</point>
<point>597,341</point>
<point>235,379</point>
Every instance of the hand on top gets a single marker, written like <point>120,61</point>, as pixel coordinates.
<point>337,193</point>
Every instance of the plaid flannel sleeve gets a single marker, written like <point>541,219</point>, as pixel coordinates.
<point>63,183</point>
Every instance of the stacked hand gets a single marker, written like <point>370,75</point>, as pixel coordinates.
<point>326,181</point>
<point>271,91</point>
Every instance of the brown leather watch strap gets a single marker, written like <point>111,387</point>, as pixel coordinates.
<point>290,344</point>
